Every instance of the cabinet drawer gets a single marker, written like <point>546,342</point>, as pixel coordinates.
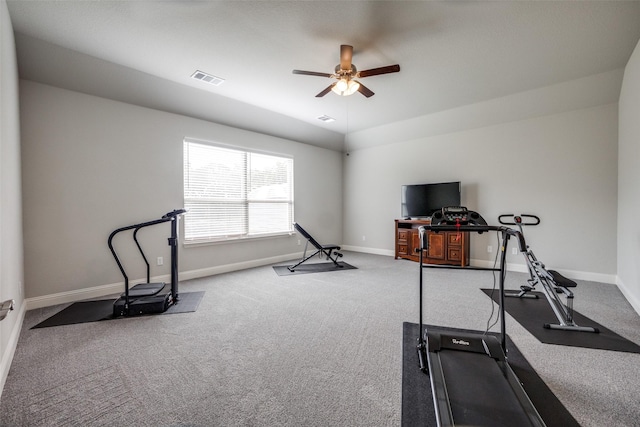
<point>445,247</point>
<point>454,239</point>
<point>454,254</point>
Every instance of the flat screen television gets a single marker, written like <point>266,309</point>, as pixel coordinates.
<point>422,200</point>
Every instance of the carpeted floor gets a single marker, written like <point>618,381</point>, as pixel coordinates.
<point>304,350</point>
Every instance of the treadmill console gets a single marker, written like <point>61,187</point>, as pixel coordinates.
<point>457,215</point>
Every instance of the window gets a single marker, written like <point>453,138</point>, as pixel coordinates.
<point>233,193</point>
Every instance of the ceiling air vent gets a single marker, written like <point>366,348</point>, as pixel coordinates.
<point>207,78</point>
<point>326,119</point>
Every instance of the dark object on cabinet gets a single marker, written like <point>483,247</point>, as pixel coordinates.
<point>445,247</point>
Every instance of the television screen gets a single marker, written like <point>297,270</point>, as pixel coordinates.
<point>422,200</point>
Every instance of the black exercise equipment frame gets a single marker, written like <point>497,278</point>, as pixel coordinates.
<point>553,284</point>
<point>330,251</point>
<point>122,306</point>
<point>506,233</point>
<point>488,344</point>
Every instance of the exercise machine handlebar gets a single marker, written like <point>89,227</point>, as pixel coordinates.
<point>519,220</point>
<point>170,216</point>
<point>506,233</point>
<point>174,213</point>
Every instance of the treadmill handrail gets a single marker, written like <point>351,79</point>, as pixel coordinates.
<point>174,213</point>
<point>477,228</point>
<point>165,218</point>
<point>169,215</point>
<point>144,257</point>
<point>130,227</point>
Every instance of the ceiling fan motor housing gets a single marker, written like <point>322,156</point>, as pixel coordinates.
<point>340,72</point>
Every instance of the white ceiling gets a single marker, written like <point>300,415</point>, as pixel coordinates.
<point>451,53</point>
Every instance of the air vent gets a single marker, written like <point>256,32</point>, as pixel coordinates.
<point>207,78</point>
<point>326,119</point>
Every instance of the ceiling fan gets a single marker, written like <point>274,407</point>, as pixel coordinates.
<point>346,74</point>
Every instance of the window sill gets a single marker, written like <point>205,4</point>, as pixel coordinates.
<point>222,241</point>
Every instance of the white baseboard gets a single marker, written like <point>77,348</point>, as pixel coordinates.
<point>590,276</point>
<point>489,264</point>
<point>12,344</point>
<point>227,268</point>
<point>373,251</point>
<point>633,300</point>
<point>117,288</point>
<point>571,274</point>
<point>73,296</point>
<point>521,268</point>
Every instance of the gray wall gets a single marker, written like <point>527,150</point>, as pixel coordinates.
<point>92,165</point>
<point>561,166</point>
<point>11,265</point>
<point>629,183</point>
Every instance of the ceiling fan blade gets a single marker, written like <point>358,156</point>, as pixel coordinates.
<point>326,91</point>
<point>346,55</point>
<point>365,90</point>
<point>311,73</point>
<point>382,70</point>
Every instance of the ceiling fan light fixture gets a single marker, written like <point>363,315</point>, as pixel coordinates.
<point>345,87</point>
<point>353,87</point>
<point>345,72</point>
<point>341,86</point>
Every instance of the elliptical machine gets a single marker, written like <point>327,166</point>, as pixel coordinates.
<point>148,298</point>
<point>552,283</point>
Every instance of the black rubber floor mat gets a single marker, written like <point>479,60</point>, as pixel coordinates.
<point>320,267</point>
<point>95,311</point>
<point>417,399</point>
<point>533,313</point>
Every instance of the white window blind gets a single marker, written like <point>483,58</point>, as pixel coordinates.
<point>232,193</point>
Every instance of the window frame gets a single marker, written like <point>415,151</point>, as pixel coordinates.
<point>246,201</point>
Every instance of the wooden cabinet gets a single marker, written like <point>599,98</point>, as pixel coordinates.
<point>446,247</point>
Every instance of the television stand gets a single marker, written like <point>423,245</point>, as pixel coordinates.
<point>445,247</point>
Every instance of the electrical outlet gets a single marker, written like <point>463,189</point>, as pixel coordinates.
<point>160,261</point>
<point>298,242</point>
<point>364,238</point>
<point>489,249</point>
<point>514,251</point>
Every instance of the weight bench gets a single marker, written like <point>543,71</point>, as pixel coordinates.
<point>331,251</point>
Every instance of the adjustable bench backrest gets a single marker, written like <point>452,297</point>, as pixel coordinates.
<point>307,235</point>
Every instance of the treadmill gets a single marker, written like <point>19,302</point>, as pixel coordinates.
<point>148,298</point>
<point>471,380</point>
